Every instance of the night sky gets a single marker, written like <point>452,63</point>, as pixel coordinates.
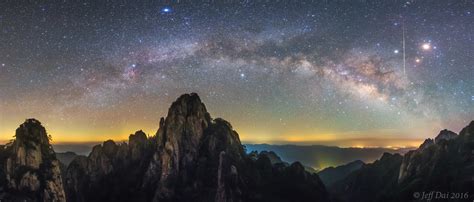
<point>281,72</point>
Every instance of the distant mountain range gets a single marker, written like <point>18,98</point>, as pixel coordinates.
<point>77,148</point>
<point>331,175</point>
<point>320,156</point>
<point>194,157</point>
<point>316,156</point>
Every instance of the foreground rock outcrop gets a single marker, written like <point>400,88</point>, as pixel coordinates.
<point>371,182</point>
<point>31,171</point>
<point>447,165</point>
<point>192,157</point>
<point>443,165</point>
<point>111,171</point>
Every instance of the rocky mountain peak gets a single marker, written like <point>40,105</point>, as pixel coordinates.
<point>31,167</point>
<point>138,138</point>
<point>192,157</point>
<point>32,131</point>
<point>445,135</point>
<point>137,143</point>
<point>179,141</point>
<point>428,142</point>
<point>188,105</point>
<point>468,130</point>
<point>388,156</point>
<point>430,161</point>
<point>109,147</point>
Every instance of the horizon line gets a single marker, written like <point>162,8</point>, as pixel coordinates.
<point>277,143</point>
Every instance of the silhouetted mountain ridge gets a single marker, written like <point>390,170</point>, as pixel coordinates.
<point>321,156</point>
<point>30,170</point>
<point>331,174</point>
<point>192,157</point>
<point>443,165</point>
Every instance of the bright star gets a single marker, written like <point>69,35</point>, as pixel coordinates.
<point>395,51</point>
<point>426,46</point>
<point>242,75</point>
<point>166,10</point>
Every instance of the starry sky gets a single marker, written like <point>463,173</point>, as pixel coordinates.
<point>346,73</point>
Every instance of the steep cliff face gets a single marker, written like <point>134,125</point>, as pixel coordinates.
<point>202,159</point>
<point>178,142</point>
<point>417,161</point>
<point>138,145</point>
<point>445,164</point>
<point>191,158</point>
<point>445,135</point>
<point>111,171</point>
<point>372,182</point>
<point>31,170</point>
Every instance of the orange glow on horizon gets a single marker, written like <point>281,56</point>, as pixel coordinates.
<point>326,139</point>
<point>64,134</point>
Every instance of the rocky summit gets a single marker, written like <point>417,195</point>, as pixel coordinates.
<point>192,157</point>
<point>30,171</point>
<point>444,165</point>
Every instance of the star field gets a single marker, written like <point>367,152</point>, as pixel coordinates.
<point>370,73</point>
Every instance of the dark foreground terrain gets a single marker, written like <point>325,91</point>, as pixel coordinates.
<point>443,166</point>
<point>194,157</point>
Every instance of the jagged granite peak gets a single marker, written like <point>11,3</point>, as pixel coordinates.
<point>32,131</point>
<point>194,149</point>
<point>445,135</point>
<point>387,156</point>
<point>114,169</point>
<point>179,141</point>
<point>31,169</point>
<point>468,130</point>
<point>410,167</point>
<point>427,143</point>
<point>192,157</point>
<point>416,161</point>
<point>137,143</point>
<point>188,105</point>
<point>444,165</point>
<point>372,182</point>
<point>424,152</point>
<point>138,138</point>
<point>102,157</point>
